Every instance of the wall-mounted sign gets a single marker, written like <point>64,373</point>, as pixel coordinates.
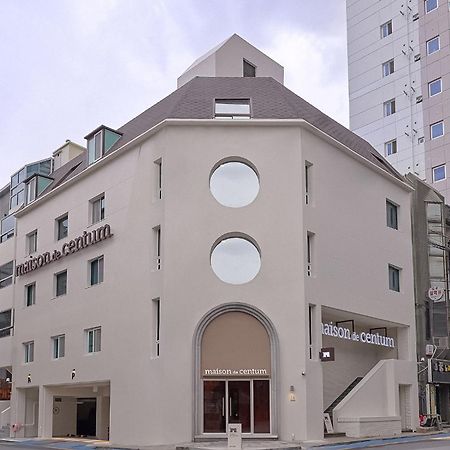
<point>329,329</point>
<point>439,371</point>
<point>85,240</point>
<point>436,294</point>
<point>327,354</point>
<point>235,372</point>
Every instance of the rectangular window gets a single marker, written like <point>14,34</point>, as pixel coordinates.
<point>6,274</point>
<point>96,271</point>
<point>30,294</point>
<point>95,147</point>
<point>433,45</point>
<point>31,242</point>
<point>249,69</point>
<point>309,254</point>
<point>29,351</point>
<point>430,5</point>
<point>389,107</point>
<point>62,227</point>
<point>394,278</point>
<point>6,324</point>
<point>391,215</point>
<point>232,109</point>
<point>386,29</point>
<point>97,206</point>
<point>157,246</point>
<point>61,283</point>
<point>439,173</point>
<point>308,169</point>
<point>435,87</point>
<point>437,129</point>
<point>388,68</point>
<point>59,346</point>
<point>158,177</point>
<point>390,147</point>
<point>157,325</point>
<point>94,339</point>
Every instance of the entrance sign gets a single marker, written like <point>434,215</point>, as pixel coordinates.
<point>85,240</point>
<point>235,435</point>
<point>234,372</point>
<point>328,329</point>
<point>436,294</point>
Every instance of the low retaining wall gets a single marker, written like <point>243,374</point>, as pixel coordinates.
<point>370,426</point>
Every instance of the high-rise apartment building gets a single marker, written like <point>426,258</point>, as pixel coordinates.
<point>399,73</point>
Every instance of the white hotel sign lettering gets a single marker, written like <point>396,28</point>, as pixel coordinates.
<point>328,329</point>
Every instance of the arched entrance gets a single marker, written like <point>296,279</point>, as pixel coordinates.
<point>235,352</point>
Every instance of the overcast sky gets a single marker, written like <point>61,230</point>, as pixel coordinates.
<point>67,66</point>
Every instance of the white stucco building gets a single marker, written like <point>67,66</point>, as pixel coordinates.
<point>186,270</point>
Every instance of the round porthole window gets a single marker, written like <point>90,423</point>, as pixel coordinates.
<point>235,260</point>
<point>234,184</point>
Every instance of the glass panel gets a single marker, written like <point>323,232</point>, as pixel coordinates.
<point>233,106</point>
<point>8,224</point>
<point>94,272</point>
<point>63,227</point>
<point>235,261</point>
<point>6,270</point>
<point>5,319</point>
<point>110,139</point>
<point>62,346</point>
<point>100,270</point>
<point>61,283</point>
<point>214,406</point>
<point>249,69</point>
<point>97,340</point>
<point>234,184</point>
<point>32,169</point>
<point>239,404</point>
<point>91,150</point>
<point>43,182</point>
<point>261,406</point>
<point>90,341</point>
<point>98,145</point>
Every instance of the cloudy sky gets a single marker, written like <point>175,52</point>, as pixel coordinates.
<point>67,66</point>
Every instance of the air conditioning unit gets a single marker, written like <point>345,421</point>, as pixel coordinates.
<point>429,349</point>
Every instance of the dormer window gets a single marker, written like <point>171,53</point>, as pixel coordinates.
<point>232,108</point>
<point>35,185</point>
<point>249,70</point>
<point>100,141</point>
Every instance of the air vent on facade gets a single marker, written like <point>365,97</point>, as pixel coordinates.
<point>419,99</point>
<point>417,57</point>
<point>421,140</point>
<point>415,16</point>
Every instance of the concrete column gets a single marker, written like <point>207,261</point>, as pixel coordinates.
<point>102,417</point>
<point>45,419</point>
<point>18,401</point>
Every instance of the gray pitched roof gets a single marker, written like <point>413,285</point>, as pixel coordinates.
<point>269,100</point>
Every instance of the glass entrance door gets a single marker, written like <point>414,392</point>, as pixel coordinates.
<point>236,401</point>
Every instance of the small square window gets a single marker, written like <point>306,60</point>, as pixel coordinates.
<point>435,87</point>
<point>430,5</point>
<point>249,69</point>
<point>390,147</point>
<point>388,68</point>
<point>93,339</point>
<point>232,109</point>
<point>30,294</point>
<point>96,271</point>
<point>391,215</point>
<point>59,346</point>
<point>394,278</point>
<point>389,107</point>
<point>62,227</point>
<point>61,283</point>
<point>97,206</point>
<point>433,45</point>
<point>439,173</point>
<point>437,129</point>
<point>29,351</point>
<point>386,29</point>
<point>31,242</point>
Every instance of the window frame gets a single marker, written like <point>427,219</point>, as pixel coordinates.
<point>431,129</point>
<point>156,306</point>
<point>395,286</point>
<point>32,238</point>
<point>58,222</point>
<point>30,288</point>
<point>389,107</point>
<point>7,280</point>
<point>232,115</point>
<point>427,11</point>
<point>386,26</point>
<point>440,87</point>
<point>390,221</point>
<point>433,173</point>
<point>390,65</point>
<point>431,40</point>
<point>56,346</point>
<point>96,333</point>
<point>157,247</point>
<point>250,65</point>
<point>393,145</point>
<point>56,278</point>
<point>100,260</point>
<point>28,352</point>
<point>93,202</point>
